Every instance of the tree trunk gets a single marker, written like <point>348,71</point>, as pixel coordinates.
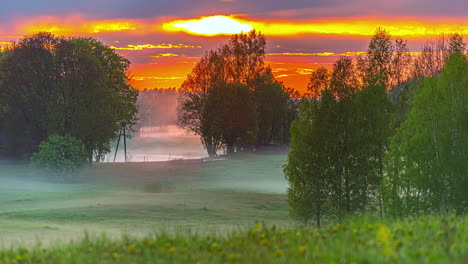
<point>229,148</point>
<point>90,158</point>
<point>210,148</point>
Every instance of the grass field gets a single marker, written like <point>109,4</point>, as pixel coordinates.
<point>421,240</point>
<point>227,211</point>
<point>141,198</point>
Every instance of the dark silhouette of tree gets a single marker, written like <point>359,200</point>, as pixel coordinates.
<point>240,61</point>
<point>319,81</point>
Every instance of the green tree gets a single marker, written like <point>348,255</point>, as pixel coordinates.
<point>310,168</point>
<point>378,59</point>
<point>75,86</point>
<point>97,100</point>
<point>426,167</point>
<point>27,91</point>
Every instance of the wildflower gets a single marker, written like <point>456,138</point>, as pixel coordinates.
<point>454,245</point>
<point>132,249</point>
<point>256,228</point>
<point>20,257</point>
<point>278,253</point>
<point>214,246</point>
<point>302,249</point>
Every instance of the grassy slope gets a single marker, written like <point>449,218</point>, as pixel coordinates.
<point>423,240</point>
<point>139,198</point>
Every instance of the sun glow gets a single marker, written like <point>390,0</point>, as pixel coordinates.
<point>363,26</point>
<point>210,26</point>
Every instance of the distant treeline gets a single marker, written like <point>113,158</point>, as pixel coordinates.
<point>157,107</point>
<point>385,133</point>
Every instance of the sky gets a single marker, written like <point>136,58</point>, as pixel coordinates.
<point>164,39</point>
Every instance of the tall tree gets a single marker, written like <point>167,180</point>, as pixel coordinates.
<point>27,91</point>
<point>318,82</point>
<point>378,58</point>
<point>240,61</point>
<point>272,104</point>
<point>426,167</point>
<point>310,168</point>
<point>75,86</point>
<point>234,121</point>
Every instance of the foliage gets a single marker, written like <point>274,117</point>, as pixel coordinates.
<point>308,171</point>
<point>60,156</point>
<point>275,111</point>
<point>422,240</point>
<point>75,86</point>
<point>319,81</point>
<point>240,61</point>
<point>427,162</point>
<point>235,118</point>
<point>338,142</point>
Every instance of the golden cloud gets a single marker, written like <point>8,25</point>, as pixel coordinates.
<point>159,46</point>
<point>222,25</point>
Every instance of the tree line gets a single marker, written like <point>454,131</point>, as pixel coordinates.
<point>74,86</point>
<point>384,133</point>
<point>232,100</point>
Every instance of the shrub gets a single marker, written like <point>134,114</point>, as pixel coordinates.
<point>60,156</point>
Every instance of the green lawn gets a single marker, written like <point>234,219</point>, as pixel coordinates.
<point>141,198</point>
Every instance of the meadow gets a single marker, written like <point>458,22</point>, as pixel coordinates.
<point>190,211</point>
<point>141,198</point>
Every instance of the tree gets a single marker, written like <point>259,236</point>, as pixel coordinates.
<point>456,43</point>
<point>235,121</point>
<point>426,167</point>
<point>27,91</point>
<point>272,106</point>
<point>75,86</point>
<point>319,81</point>
<point>240,61</point>
<point>97,100</point>
<point>378,58</point>
<point>309,170</point>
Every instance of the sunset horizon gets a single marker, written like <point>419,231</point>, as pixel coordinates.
<point>164,47</point>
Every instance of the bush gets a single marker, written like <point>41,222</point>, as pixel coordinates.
<point>60,156</point>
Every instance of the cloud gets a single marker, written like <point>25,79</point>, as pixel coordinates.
<point>321,54</point>
<point>158,46</point>
<point>304,71</point>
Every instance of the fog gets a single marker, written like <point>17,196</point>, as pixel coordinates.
<point>156,136</point>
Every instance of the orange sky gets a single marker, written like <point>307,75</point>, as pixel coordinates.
<point>163,50</point>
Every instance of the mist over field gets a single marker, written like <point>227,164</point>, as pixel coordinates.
<point>265,132</point>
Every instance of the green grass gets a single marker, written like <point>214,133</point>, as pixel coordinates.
<point>193,211</point>
<point>139,198</point>
<point>422,240</point>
